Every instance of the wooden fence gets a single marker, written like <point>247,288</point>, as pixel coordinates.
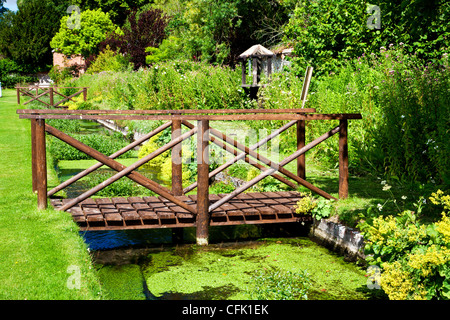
<point>205,135</point>
<point>37,92</point>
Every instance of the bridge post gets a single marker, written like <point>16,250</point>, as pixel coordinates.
<point>41,163</point>
<point>202,224</point>
<point>343,160</point>
<point>301,160</point>
<point>33,154</point>
<point>84,93</point>
<point>177,175</point>
<point>51,96</point>
<point>177,172</point>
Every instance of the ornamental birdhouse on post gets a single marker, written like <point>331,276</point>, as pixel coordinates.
<point>258,55</point>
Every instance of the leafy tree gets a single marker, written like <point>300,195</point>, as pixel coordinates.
<point>117,10</point>
<point>143,30</point>
<point>25,35</point>
<point>82,39</point>
<point>2,8</point>
<point>218,31</point>
<point>325,33</point>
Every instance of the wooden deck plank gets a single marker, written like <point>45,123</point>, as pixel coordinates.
<point>157,212</point>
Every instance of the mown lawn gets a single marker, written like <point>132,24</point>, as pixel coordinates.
<point>40,250</point>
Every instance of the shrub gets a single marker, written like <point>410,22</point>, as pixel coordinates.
<point>319,209</point>
<point>327,32</point>
<point>104,143</point>
<point>108,60</point>
<point>167,85</point>
<point>124,187</point>
<point>11,74</point>
<point>414,258</point>
<point>142,30</point>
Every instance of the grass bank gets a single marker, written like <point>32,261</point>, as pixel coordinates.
<point>41,251</point>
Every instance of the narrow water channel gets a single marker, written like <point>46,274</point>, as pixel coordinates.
<point>149,265</point>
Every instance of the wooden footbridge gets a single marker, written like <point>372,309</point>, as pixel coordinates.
<point>175,208</point>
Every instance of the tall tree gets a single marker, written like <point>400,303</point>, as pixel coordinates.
<point>143,30</point>
<point>82,34</point>
<point>25,35</point>
<point>2,8</point>
<point>117,9</point>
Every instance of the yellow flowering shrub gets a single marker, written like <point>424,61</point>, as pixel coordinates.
<point>163,162</point>
<point>306,204</point>
<point>433,257</point>
<point>396,282</point>
<point>414,258</point>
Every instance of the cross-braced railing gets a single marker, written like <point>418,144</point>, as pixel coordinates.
<point>205,135</point>
<point>37,92</point>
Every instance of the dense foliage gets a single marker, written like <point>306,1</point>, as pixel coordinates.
<point>414,257</point>
<point>93,27</point>
<point>25,35</point>
<point>144,29</point>
<point>168,85</point>
<point>117,9</point>
<point>404,130</point>
<point>325,33</point>
<point>11,73</point>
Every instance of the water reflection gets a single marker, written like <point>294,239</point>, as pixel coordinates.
<point>105,240</point>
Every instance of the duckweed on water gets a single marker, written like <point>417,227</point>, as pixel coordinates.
<point>122,282</point>
<point>226,273</point>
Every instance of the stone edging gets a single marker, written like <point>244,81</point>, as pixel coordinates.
<point>339,238</point>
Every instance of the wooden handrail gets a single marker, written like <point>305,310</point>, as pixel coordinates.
<point>205,134</point>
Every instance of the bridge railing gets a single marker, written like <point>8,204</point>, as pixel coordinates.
<point>37,92</point>
<point>205,134</point>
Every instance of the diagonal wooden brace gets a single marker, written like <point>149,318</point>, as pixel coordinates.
<point>239,157</point>
<point>66,98</point>
<point>36,97</point>
<point>122,170</point>
<point>242,155</point>
<point>113,156</point>
<point>274,168</point>
<point>274,165</point>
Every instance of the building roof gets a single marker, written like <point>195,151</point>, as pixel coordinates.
<point>256,51</point>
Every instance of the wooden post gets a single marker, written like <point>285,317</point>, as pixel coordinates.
<point>177,175</point>
<point>306,82</point>
<point>51,96</point>
<point>33,154</point>
<point>18,95</point>
<point>41,164</point>
<point>343,160</point>
<point>301,160</point>
<point>177,172</point>
<point>202,223</point>
<point>85,93</point>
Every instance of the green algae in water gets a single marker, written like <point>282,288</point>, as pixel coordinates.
<point>122,282</point>
<point>218,273</point>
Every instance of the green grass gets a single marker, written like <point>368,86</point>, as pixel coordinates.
<point>37,246</point>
